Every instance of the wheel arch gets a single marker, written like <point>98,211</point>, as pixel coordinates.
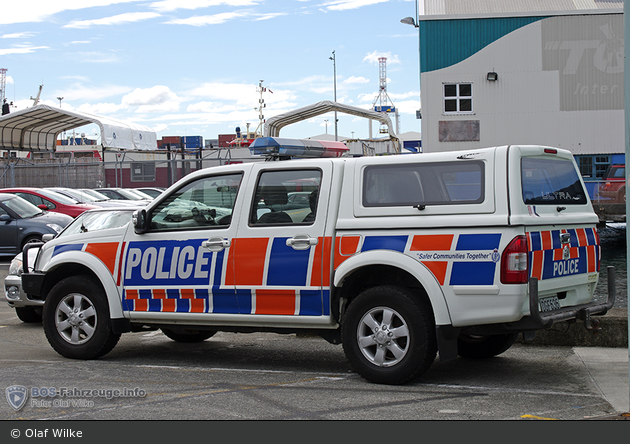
<point>29,233</point>
<point>360,271</point>
<point>74,263</point>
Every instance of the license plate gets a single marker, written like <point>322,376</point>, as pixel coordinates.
<point>549,304</point>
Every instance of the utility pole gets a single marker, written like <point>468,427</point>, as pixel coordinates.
<point>334,59</point>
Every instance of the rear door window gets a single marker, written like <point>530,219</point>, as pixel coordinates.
<point>551,182</point>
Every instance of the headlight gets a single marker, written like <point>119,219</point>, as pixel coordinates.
<point>55,227</point>
<point>13,292</point>
<point>16,267</point>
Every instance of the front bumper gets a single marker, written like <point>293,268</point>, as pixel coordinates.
<point>15,295</point>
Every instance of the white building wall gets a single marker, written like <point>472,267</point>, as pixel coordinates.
<point>525,105</point>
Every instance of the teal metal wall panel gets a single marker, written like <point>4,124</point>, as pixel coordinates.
<point>447,42</point>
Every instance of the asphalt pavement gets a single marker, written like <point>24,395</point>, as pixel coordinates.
<point>263,376</point>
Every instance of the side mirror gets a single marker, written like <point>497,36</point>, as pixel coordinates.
<point>139,221</point>
<point>48,237</point>
<point>43,207</point>
<point>5,218</point>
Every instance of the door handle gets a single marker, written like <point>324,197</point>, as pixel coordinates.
<point>216,244</point>
<point>301,242</point>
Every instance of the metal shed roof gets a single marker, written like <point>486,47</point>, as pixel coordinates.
<point>37,128</point>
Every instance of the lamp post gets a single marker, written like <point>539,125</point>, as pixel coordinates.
<point>326,121</point>
<point>60,99</point>
<point>334,59</point>
<point>415,23</point>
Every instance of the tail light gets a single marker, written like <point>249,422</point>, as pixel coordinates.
<point>515,262</point>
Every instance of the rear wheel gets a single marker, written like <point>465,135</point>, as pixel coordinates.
<point>483,347</point>
<point>389,335</point>
<point>76,319</point>
<point>186,335</point>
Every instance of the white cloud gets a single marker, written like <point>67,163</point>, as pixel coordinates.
<point>25,11</point>
<point>129,17</point>
<point>172,5</point>
<point>100,108</point>
<point>204,20</point>
<point>356,80</point>
<point>374,56</point>
<point>80,91</point>
<point>239,93</point>
<point>21,49</point>
<point>343,5</point>
<point>260,17</point>
<point>158,98</point>
<point>17,35</point>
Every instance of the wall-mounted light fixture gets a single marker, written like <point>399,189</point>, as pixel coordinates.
<point>492,76</point>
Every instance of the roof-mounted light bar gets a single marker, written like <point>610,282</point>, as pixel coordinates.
<point>296,148</point>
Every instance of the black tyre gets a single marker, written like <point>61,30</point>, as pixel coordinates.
<point>31,239</point>
<point>186,335</point>
<point>29,314</point>
<point>76,319</point>
<point>388,335</point>
<point>483,347</point>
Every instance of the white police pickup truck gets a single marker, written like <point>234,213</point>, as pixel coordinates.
<point>396,257</point>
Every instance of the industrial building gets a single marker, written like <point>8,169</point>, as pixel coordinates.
<point>546,72</point>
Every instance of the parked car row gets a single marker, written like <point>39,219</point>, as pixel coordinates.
<point>27,214</point>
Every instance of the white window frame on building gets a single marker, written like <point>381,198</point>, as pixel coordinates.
<point>458,96</point>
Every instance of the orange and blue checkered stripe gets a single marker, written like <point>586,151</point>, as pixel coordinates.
<point>545,249</point>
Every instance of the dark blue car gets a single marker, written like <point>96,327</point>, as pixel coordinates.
<point>22,222</point>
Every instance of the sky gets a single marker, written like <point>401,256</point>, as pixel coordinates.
<point>193,67</point>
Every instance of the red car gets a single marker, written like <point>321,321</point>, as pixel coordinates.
<point>613,187</point>
<point>50,200</point>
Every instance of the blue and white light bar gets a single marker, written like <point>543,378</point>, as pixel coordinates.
<point>297,148</point>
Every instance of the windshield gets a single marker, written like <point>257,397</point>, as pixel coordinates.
<point>129,194</point>
<point>78,195</point>
<point>23,208</point>
<point>140,194</point>
<point>59,198</point>
<point>98,196</point>
<point>98,220</point>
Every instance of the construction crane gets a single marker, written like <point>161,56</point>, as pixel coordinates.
<point>36,99</point>
<point>385,104</point>
<point>3,84</point>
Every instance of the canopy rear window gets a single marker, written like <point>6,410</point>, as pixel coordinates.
<point>548,181</point>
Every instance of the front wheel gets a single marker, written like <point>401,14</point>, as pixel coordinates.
<point>76,319</point>
<point>29,314</point>
<point>483,347</point>
<point>388,335</point>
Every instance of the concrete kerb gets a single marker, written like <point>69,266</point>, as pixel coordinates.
<point>613,333</point>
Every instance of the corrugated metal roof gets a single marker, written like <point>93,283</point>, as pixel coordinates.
<point>484,7</point>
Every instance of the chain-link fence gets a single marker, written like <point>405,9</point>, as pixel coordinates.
<point>91,172</point>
